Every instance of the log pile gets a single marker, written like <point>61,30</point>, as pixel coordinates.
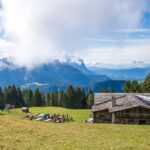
<point>50,118</point>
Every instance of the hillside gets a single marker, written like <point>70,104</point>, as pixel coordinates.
<point>22,134</point>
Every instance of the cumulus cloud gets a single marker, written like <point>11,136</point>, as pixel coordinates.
<point>42,30</point>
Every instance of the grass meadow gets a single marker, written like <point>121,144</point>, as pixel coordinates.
<point>20,134</point>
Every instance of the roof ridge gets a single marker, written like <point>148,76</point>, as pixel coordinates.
<point>109,100</point>
<point>142,99</point>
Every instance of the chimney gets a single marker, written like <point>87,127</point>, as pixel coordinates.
<point>113,101</point>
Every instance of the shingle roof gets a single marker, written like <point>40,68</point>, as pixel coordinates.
<point>103,101</point>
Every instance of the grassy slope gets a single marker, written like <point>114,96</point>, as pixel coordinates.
<point>19,134</point>
<point>78,114</point>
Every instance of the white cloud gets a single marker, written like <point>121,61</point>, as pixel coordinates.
<point>141,30</point>
<point>44,29</point>
<point>6,47</point>
<point>117,56</point>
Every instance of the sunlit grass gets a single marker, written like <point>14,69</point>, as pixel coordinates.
<point>20,134</point>
<point>78,115</point>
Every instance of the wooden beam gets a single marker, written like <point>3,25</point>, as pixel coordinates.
<point>113,118</point>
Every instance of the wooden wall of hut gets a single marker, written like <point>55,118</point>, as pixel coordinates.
<point>137,115</point>
<point>103,117</point>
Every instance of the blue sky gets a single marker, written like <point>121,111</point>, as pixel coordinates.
<point>145,22</point>
<point>102,32</point>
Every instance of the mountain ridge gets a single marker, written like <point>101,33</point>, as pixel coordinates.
<point>59,74</point>
<point>55,74</point>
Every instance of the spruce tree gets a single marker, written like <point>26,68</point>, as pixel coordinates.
<point>127,87</point>
<point>2,102</point>
<point>37,98</point>
<point>146,84</point>
<point>70,97</point>
<point>134,86</point>
<point>90,99</point>
<point>105,90</point>
<point>47,99</point>
<point>20,101</point>
<point>60,98</point>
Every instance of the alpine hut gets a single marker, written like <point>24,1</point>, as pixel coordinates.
<point>121,108</point>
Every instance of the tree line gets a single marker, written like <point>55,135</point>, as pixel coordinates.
<point>69,98</point>
<point>137,87</point>
<point>72,97</point>
<point>132,86</point>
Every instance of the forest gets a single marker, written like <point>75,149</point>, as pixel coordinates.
<point>72,97</point>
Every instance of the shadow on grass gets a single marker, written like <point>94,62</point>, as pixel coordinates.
<point>2,112</point>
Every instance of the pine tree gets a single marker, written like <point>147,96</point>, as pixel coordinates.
<point>90,99</point>
<point>55,98</point>
<point>65,100</point>
<point>14,97</point>
<point>146,84</point>
<point>127,87</point>
<point>2,102</point>
<point>113,91</point>
<point>105,90</point>
<point>47,99</point>
<point>141,87</point>
<point>83,102</point>
<point>134,86</point>
<point>6,95</point>
<point>20,101</point>
<point>60,98</point>
<point>52,99</point>
<point>28,97</point>
<point>70,97</point>
<point>80,98</point>
<point>37,98</point>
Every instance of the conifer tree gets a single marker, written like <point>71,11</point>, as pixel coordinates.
<point>70,97</point>
<point>146,84</point>
<point>60,98</point>
<point>37,98</point>
<point>2,102</point>
<point>47,99</point>
<point>90,98</point>
<point>20,101</point>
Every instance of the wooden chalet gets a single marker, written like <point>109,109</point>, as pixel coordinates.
<point>121,108</point>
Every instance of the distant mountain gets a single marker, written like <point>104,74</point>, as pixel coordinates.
<point>116,85</point>
<point>6,63</point>
<point>49,76</point>
<point>12,76</point>
<point>123,74</point>
<point>59,74</point>
<point>78,64</point>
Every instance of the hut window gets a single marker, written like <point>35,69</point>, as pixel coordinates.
<point>142,122</point>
